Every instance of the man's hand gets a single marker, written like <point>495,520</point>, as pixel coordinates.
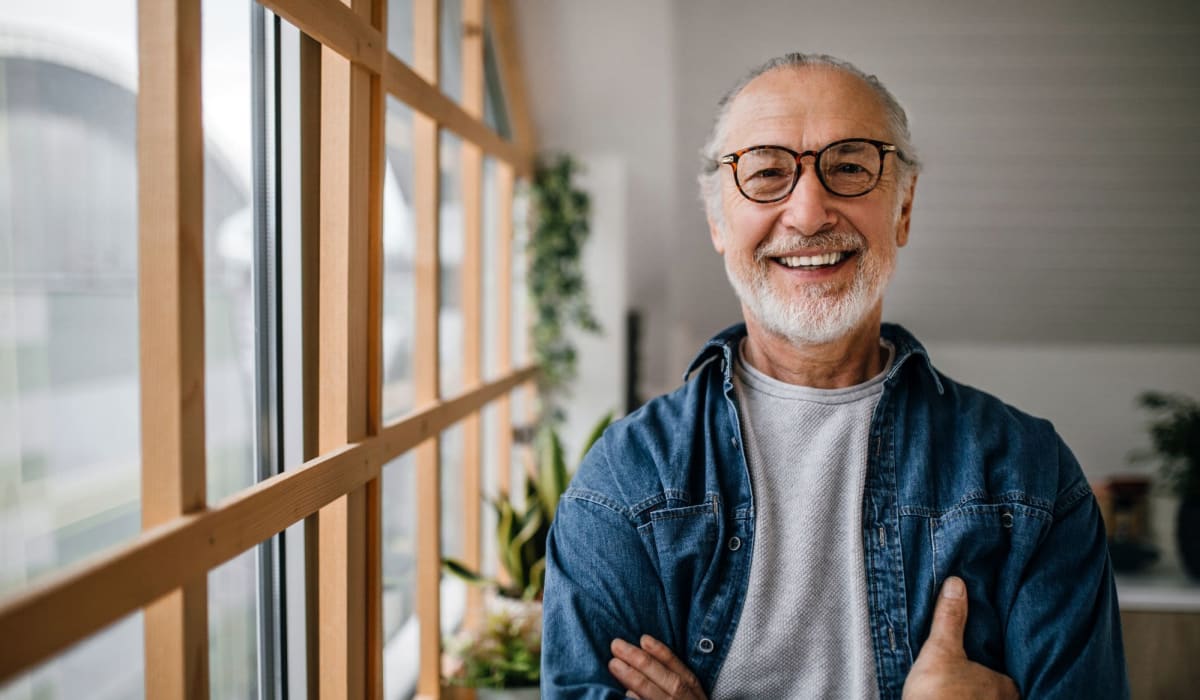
<point>942,669</point>
<point>651,672</point>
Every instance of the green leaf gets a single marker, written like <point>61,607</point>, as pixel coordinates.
<point>462,571</point>
<point>552,473</point>
<point>597,431</point>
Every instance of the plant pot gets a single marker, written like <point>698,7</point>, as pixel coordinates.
<point>1187,534</point>
<point>507,694</point>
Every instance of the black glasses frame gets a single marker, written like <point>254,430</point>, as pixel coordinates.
<point>884,148</point>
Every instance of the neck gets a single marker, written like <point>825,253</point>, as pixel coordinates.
<point>852,359</point>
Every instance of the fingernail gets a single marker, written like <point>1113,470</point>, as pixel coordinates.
<point>953,588</point>
<point>647,641</point>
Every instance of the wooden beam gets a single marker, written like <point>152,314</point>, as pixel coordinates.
<point>82,599</point>
<point>427,201</point>
<point>373,539</point>
<point>408,85</point>
<point>505,188</point>
<point>511,75</point>
<point>343,359</point>
<point>310,270</point>
<point>471,276</point>
<point>171,327</point>
<point>336,26</point>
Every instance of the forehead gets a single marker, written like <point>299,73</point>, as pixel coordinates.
<point>803,108</point>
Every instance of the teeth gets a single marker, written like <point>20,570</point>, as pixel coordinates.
<point>812,260</point>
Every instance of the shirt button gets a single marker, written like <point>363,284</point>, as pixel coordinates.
<point>705,646</point>
<point>1006,519</point>
<point>733,441</point>
<point>735,544</point>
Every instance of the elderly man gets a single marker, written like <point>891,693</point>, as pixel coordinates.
<point>818,512</point>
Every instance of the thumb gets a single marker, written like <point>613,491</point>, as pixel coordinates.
<point>950,616</point>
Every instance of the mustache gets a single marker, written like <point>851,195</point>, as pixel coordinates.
<point>829,241</point>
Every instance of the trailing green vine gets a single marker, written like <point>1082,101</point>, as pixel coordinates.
<point>555,280</point>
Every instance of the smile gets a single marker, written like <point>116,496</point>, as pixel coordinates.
<point>813,262</point>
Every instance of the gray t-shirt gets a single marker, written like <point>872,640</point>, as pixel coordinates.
<point>804,630</point>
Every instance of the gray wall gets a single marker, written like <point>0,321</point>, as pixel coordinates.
<point>1055,221</point>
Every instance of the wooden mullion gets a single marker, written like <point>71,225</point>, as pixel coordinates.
<point>472,299</point>
<point>171,327</point>
<point>504,425</point>
<point>427,199</point>
<point>374,491</point>
<point>338,27</point>
<point>344,310</point>
<point>409,86</point>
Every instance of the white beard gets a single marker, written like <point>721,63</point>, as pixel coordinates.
<point>817,313</point>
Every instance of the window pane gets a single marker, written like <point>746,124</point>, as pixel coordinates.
<point>229,328</point>
<point>450,251</point>
<point>399,577</point>
<point>491,276</point>
<point>69,418</point>
<point>520,297</point>
<point>400,29</point>
<point>495,107</point>
<point>399,247</point>
<point>451,49</point>
<point>105,666</point>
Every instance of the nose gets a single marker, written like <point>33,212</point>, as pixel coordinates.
<point>807,209</point>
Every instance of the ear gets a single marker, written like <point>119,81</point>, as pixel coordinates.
<point>905,218</point>
<point>714,231</point>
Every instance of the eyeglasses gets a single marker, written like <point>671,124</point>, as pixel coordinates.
<point>847,168</point>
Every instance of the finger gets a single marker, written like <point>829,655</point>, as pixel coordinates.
<point>950,616</point>
<point>635,681</point>
<point>663,653</point>
<point>665,680</point>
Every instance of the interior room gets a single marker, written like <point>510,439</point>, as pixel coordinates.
<point>304,303</point>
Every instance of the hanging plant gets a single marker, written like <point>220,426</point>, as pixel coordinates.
<point>556,284</point>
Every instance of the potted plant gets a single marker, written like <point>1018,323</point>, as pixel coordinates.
<point>1175,445</point>
<point>505,653</point>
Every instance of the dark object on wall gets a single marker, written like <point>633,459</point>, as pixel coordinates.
<point>1128,523</point>
<point>1188,530</point>
<point>633,359</point>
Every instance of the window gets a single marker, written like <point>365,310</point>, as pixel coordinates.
<point>338,277</point>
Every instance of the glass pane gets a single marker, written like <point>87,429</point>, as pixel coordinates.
<point>520,297</point>
<point>451,49</point>
<point>400,29</point>
<point>229,326</point>
<point>399,577</point>
<point>228,248</point>
<point>450,252</point>
<point>399,247</point>
<point>454,598</point>
<point>495,107</point>
<point>232,628</point>
<point>69,419</point>
<point>105,666</point>
<point>491,277</point>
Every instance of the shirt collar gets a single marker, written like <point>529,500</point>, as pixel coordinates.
<point>724,344</point>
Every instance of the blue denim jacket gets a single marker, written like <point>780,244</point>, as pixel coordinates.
<point>656,533</point>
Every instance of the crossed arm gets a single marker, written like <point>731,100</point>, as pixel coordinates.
<point>942,670</point>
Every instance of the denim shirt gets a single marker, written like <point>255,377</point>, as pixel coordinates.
<point>656,533</point>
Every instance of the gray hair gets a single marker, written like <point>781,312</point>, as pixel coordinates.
<point>897,123</point>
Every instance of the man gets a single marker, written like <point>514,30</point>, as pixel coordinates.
<point>799,519</point>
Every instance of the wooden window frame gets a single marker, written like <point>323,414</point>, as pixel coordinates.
<point>346,72</point>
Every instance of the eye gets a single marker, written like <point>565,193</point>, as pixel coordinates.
<point>768,174</point>
<point>848,169</point>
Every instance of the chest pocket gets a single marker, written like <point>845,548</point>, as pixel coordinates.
<point>685,542</point>
<point>987,545</point>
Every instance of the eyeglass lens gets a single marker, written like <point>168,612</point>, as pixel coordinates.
<point>848,169</point>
